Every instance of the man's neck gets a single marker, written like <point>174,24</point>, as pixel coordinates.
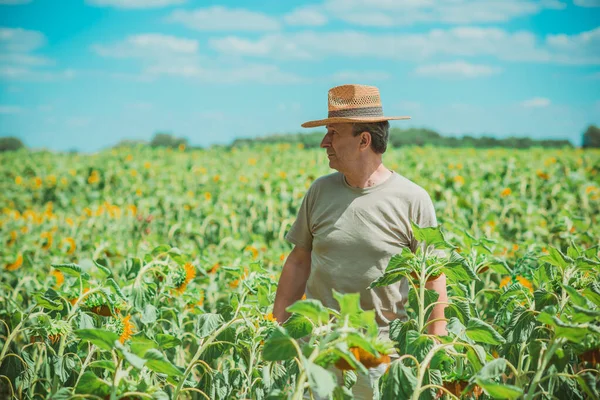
<point>365,176</point>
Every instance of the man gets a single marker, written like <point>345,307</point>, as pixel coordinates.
<point>353,221</point>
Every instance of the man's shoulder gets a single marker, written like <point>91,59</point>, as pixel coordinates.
<point>409,189</point>
<point>326,180</point>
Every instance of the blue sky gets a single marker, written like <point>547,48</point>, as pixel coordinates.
<point>87,73</point>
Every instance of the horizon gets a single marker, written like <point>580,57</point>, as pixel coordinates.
<point>102,71</point>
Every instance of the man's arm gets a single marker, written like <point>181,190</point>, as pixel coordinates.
<point>438,327</point>
<point>292,282</point>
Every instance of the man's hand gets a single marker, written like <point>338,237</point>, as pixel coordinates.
<point>438,327</point>
<point>292,282</point>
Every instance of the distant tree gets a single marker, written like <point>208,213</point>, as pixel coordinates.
<point>10,143</point>
<point>129,143</point>
<point>161,139</point>
<point>591,137</point>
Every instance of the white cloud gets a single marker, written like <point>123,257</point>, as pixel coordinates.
<point>219,18</point>
<point>457,69</point>
<point>536,102</point>
<point>273,45</point>
<point>587,3</point>
<point>363,76</point>
<point>150,46</point>
<point>253,73</point>
<point>409,12</point>
<point>18,62</point>
<point>10,109</point>
<point>19,40</point>
<point>305,16</point>
<point>24,59</point>
<point>459,41</point>
<point>45,107</point>
<point>14,2</point>
<point>134,3</point>
<point>28,74</point>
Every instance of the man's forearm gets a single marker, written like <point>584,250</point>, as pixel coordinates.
<point>438,327</point>
<point>292,284</point>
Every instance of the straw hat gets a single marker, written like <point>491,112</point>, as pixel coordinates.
<point>353,103</point>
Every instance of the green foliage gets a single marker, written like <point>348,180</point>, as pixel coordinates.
<point>161,139</point>
<point>591,137</point>
<point>411,137</point>
<point>10,143</point>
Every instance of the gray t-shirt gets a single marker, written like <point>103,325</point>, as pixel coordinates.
<point>352,234</point>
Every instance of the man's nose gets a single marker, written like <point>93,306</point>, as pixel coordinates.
<point>326,142</point>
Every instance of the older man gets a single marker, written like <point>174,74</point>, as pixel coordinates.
<point>353,221</point>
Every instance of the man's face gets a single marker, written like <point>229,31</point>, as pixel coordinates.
<point>342,148</point>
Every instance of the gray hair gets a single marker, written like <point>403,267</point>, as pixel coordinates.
<point>380,132</point>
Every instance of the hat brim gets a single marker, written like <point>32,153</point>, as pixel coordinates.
<point>337,120</point>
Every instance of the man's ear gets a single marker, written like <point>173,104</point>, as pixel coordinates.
<point>365,140</point>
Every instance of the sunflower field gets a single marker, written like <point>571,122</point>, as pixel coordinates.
<point>147,273</point>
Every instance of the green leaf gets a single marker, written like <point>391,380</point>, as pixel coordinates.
<point>586,264</point>
<point>321,381</point>
<point>521,325</point>
<point>544,298</point>
<point>349,303</point>
<point>140,345</point>
<point>588,383</point>
<point>263,297</point>
<point>104,364</point>
<point>157,362</point>
<point>279,346</point>
<point>498,390</point>
<point>85,321</point>
<point>458,309</point>
<point>72,270</point>
<point>401,261</point>
<point>418,345</point>
<point>89,383</point>
<point>492,370</point>
<point>500,267</point>
<point>456,327</point>
<point>431,296</point>
<point>556,258</point>
<point>399,331</point>
<point>311,309</point>
<point>582,315</point>
<point>45,302</point>
<point>460,273</point>
<point>482,332</point>
<point>573,333</point>
<point>575,297</point>
<point>208,323</point>
<point>298,326</point>
<point>163,248</point>
<point>149,314</point>
<point>432,236</point>
<point>476,356</point>
<point>592,293</point>
<point>133,359</point>
<point>389,278</point>
<point>399,383</point>
<point>102,268</point>
<point>100,337</point>
<point>167,341</point>
<point>115,286</point>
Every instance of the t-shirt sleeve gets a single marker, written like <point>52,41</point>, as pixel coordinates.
<point>300,233</point>
<point>423,214</point>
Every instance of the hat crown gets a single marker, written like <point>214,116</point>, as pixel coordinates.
<point>353,96</point>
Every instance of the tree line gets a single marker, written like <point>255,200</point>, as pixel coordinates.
<point>398,138</point>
